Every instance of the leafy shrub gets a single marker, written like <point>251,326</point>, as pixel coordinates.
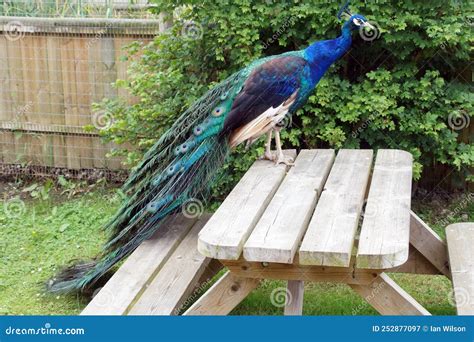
<point>397,91</point>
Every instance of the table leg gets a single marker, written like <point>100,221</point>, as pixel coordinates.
<point>295,291</point>
<point>429,244</point>
<point>388,298</point>
<point>223,296</point>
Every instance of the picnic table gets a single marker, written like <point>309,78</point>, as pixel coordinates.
<point>341,218</point>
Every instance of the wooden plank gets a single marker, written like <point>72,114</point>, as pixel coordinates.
<point>388,298</point>
<point>330,237</point>
<point>428,243</point>
<point>296,271</point>
<point>141,266</point>
<point>385,234</point>
<point>28,79</point>
<point>83,101</point>
<point>6,111</point>
<point>224,235</point>
<point>176,280</point>
<point>417,263</point>
<point>279,231</point>
<point>460,237</point>
<point>294,304</point>
<point>223,296</point>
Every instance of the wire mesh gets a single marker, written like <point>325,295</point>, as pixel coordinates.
<point>77,8</point>
<point>52,70</point>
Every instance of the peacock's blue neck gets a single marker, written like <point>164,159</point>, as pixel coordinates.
<point>322,54</point>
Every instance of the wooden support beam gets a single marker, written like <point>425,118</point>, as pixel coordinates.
<point>388,298</point>
<point>259,270</point>
<point>294,305</point>
<point>428,243</point>
<point>223,296</point>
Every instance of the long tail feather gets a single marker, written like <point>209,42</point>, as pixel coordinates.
<point>179,167</point>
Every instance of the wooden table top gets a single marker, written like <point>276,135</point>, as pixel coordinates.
<point>312,213</point>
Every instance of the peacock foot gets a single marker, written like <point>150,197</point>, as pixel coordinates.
<point>268,155</point>
<point>281,159</point>
<point>277,158</point>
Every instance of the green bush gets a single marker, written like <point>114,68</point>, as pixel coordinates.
<point>400,90</point>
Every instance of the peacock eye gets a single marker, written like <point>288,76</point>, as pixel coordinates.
<point>224,96</point>
<point>152,207</point>
<point>197,130</point>
<point>217,111</point>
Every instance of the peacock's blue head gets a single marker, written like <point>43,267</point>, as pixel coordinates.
<point>357,22</point>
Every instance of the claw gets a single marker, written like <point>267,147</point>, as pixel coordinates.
<point>267,156</point>
<point>281,159</point>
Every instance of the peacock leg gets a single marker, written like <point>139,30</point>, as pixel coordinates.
<point>281,159</point>
<point>268,148</point>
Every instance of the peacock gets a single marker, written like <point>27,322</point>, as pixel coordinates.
<point>182,164</point>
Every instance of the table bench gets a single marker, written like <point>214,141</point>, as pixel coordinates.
<point>160,276</point>
<point>460,238</point>
<point>334,218</point>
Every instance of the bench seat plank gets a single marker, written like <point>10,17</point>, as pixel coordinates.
<point>279,231</point>
<point>176,280</point>
<point>460,237</point>
<point>140,267</point>
<point>330,237</point>
<point>385,233</point>
<point>226,232</point>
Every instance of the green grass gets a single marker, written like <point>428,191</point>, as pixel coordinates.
<point>46,236</point>
<point>49,233</point>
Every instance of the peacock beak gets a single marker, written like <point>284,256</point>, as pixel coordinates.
<point>367,24</point>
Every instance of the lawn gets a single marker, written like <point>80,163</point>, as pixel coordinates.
<point>44,227</point>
